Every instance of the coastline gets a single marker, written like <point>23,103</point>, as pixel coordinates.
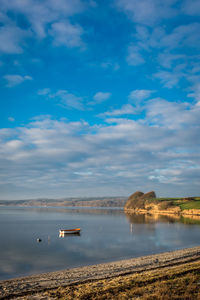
<point>192,213</point>
<point>148,203</point>
<point>24,286</point>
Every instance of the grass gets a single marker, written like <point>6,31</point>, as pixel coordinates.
<point>177,282</point>
<point>190,205</point>
<point>169,199</point>
<point>193,203</point>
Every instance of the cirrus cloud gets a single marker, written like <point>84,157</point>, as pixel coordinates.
<point>101,97</point>
<point>66,34</point>
<point>15,79</point>
<point>38,17</point>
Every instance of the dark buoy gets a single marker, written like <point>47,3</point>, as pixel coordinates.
<point>39,240</point>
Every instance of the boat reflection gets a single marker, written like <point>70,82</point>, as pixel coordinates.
<point>63,235</point>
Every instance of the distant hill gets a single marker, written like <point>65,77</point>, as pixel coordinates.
<point>74,202</point>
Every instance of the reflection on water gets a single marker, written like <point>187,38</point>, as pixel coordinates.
<point>65,235</point>
<point>84,210</point>
<point>106,235</point>
<point>151,221</point>
<point>155,218</point>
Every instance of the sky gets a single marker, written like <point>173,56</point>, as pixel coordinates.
<point>99,98</point>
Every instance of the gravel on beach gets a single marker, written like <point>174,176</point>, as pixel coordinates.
<point>19,287</point>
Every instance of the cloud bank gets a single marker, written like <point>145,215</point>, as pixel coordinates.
<point>160,151</point>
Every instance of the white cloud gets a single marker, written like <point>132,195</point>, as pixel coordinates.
<point>66,8</point>
<point>70,100</point>
<point>167,59</point>
<point>11,39</point>
<point>137,96</point>
<point>84,173</point>
<point>172,115</point>
<point>195,92</point>
<point>172,78</point>
<point>16,79</point>
<point>176,49</point>
<point>148,37</point>
<point>66,34</point>
<point>174,174</point>
<point>100,97</point>
<point>40,15</point>
<point>134,57</point>
<point>126,109</point>
<point>191,7</point>
<point>11,119</point>
<point>44,91</point>
<point>63,98</point>
<point>184,35</point>
<point>60,155</point>
<point>148,12</point>
<point>158,37</point>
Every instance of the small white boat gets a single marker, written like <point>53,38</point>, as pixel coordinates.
<point>63,232</point>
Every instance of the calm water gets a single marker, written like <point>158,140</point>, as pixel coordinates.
<point>106,235</point>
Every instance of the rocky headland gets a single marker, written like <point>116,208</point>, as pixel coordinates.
<point>139,202</point>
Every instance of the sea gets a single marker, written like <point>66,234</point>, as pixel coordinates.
<point>30,241</point>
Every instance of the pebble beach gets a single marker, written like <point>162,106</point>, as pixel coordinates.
<point>21,288</point>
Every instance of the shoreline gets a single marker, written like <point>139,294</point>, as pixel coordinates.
<point>23,286</point>
<point>177,213</point>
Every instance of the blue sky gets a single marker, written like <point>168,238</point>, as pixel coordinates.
<point>99,98</point>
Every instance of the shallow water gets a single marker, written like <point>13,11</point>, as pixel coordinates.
<point>106,235</point>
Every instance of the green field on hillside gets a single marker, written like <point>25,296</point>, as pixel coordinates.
<point>183,203</point>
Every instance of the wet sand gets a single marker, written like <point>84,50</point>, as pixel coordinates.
<point>37,284</point>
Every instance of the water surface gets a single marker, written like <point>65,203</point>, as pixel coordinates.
<point>107,235</point>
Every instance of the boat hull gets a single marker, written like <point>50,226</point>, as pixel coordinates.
<point>63,232</point>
